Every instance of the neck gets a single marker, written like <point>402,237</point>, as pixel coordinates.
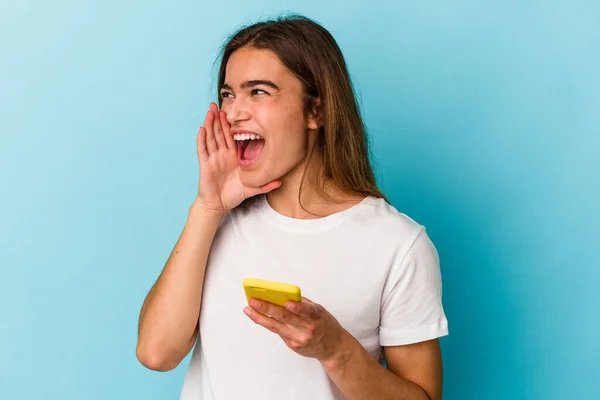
<point>312,203</point>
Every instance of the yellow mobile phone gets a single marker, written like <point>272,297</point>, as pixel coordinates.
<point>273,292</point>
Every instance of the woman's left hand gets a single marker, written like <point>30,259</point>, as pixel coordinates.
<point>305,327</point>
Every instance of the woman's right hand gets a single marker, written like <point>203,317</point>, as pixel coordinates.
<point>220,188</point>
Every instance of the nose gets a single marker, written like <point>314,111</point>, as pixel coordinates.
<point>237,111</point>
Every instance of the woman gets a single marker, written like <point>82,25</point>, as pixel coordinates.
<point>286,193</point>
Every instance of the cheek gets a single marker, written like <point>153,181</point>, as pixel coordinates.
<point>268,115</point>
<point>281,122</point>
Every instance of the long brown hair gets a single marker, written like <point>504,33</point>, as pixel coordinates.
<point>311,53</point>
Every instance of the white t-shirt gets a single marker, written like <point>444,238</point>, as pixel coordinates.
<point>373,268</point>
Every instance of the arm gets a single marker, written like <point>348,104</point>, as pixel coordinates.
<point>414,372</point>
<point>168,324</point>
<point>411,313</point>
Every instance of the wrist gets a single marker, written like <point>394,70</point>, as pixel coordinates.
<point>197,208</point>
<point>343,354</point>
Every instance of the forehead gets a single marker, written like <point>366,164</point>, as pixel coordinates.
<point>251,64</point>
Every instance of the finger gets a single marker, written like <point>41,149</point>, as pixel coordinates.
<point>211,144</point>
<point>201,144</point>
<point>279,313</point>
<point>227,131</point>
<point>271,324</point>
<point>251,191</point>
<point>217,127</point>
<point>306,309</point>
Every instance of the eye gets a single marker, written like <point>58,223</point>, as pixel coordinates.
<point>256,91</point>
<point>225,94</point>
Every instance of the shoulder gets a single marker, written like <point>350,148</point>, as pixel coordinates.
<point>394,232</point>
<point>379,215</point>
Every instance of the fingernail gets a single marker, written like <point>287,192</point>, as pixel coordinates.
<point>247,311</point>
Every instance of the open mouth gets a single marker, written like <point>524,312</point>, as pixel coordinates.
<point>250,146</point>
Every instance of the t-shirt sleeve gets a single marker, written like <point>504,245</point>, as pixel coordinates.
<point>411,308</point>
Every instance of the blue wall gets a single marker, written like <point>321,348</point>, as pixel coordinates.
<point>485,122</point>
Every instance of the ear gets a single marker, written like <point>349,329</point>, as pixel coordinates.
<point>315,118</point>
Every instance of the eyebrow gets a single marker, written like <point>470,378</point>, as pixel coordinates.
<point>252,83</point>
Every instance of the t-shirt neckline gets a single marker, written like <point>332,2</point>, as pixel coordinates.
<point>309,225</point>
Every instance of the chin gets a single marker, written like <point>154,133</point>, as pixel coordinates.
<point>254,178</point>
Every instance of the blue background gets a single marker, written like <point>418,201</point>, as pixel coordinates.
<point>485,127</point>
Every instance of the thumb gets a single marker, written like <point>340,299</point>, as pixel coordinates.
<point>253,191</point>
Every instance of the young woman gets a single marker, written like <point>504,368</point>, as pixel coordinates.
<point>286,193</point>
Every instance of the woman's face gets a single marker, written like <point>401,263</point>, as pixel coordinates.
<point>262,97</point>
